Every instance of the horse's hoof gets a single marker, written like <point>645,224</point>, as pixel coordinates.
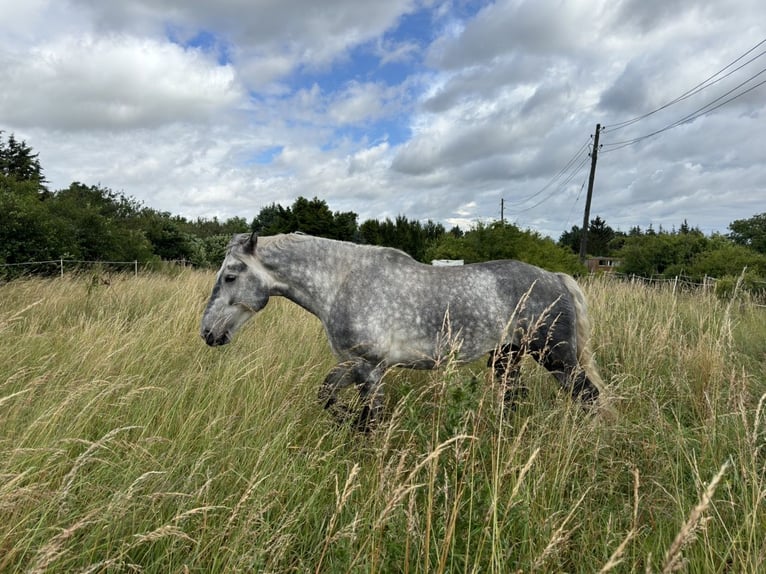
<point>365,421</point>
<point>341,413</point>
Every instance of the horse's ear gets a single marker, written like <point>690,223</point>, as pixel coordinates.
<point>251,242</point>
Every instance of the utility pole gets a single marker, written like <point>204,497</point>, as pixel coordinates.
<point>586,217</point>
<point>502,211</point>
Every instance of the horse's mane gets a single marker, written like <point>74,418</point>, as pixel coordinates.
<point>281,242</point>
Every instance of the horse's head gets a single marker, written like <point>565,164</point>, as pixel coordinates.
<point>241,289</point>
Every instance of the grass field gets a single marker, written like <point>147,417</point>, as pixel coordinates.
<point>127,445</point>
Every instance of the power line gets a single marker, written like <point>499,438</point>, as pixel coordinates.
<point>696,89</point>
<point>699,112</point>
<point>558,188</point>
<point>558,175</point>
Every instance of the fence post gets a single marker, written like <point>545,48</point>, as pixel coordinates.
<point>135,267</point>
<point>61,266</point>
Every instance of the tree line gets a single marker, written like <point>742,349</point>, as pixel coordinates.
<point>685,251</point>
<point>95,223</point>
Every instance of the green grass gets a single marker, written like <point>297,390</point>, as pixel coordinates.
<point>128,445</point>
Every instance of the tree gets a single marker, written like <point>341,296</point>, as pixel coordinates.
<point>571,239</point>
<point>409,235</point>
<point>453,247</point>
<point>166,236</point>
<point>727,259</point>
<point>662,253</point>
<point>313,217</point>
<point>104,224</point>
<point>18,161</point>
<point>600,236</point>
<point>273,219</point>
<point>433,231</point>
<point>376,232</point>
<point>602,239</point>
<point>204,228</point>
<point>504,241</point>
<point>750,232</point>
<point>28,230</point>
<point>110,204</point>
<point>345,227</point>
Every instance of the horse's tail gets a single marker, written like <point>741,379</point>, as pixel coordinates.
<point>582,325</point>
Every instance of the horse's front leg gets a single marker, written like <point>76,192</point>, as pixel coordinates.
<point>341,376</point>
<point>366,377</point>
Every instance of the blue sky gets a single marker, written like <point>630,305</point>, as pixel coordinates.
<point>435,109</point>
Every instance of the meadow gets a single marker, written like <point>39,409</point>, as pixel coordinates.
<point>127,445</point>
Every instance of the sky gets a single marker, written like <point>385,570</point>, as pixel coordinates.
<point>432,109</point>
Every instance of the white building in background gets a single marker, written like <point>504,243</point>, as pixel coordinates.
<point>446,262</point>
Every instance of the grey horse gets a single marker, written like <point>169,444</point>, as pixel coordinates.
<point>381,309</point>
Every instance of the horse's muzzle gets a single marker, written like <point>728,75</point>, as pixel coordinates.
<point>213,340</point>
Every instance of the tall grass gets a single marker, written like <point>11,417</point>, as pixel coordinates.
<point>128,445</point>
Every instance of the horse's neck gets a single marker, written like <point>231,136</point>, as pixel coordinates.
<point>307,271</point>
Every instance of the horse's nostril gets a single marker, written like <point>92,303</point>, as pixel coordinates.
<point>215,340</point>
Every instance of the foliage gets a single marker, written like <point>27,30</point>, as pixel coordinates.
<point>204,229</point>
<point>119,453</point>
<point>691,254</point>
<point>505,241</point>
<point>747,282</point>
<point>19,162</point>
<point>315,218</point>
<point>307,216</point>
<point>93,223</point>
<point>602,239</point>
<point>273,219</point>
<point>28,230</point>
<point>97,219</point>
<point>409,235</point>
<point>723,258</point>
<point>750,232</point>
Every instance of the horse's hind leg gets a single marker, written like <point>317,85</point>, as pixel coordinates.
<point>564,366</point>
<point>371,395</point>
<point>504,361</point>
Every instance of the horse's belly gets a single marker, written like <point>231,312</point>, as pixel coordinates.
<point>402,349</point>
<point>433,348</point>
<point>420,340</point>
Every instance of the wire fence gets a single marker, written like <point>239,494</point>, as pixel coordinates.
<point>679,281</point>
<point>755,290</point>
<point>62,266</point>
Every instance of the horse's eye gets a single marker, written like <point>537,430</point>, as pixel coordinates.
<point>229,278</point>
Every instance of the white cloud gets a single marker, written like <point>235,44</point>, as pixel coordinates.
<point>358,103</point>
<point>394,52</point>
<point>80,83</point>
<point>287,34</point>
